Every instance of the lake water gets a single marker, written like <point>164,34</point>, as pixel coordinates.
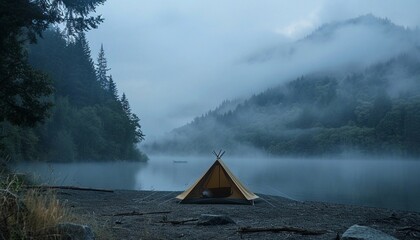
<point>370,182</point>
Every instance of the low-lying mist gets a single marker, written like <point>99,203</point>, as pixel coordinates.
<point>350,179</point>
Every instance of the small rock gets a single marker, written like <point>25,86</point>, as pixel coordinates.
<point>357,232</point>
<point>71,231</point>
<point>212,219</point>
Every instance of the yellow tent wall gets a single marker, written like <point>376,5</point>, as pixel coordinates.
<point>218,180</point>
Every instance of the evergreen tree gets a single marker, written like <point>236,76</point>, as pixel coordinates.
<point>125,105</point>
<point>138,133</point>
<point>102,69</point>
<point>133,119</point>
<point>22,89</point>
<point>86,49</point>
<point>112,89</point>
<point>87,66</point>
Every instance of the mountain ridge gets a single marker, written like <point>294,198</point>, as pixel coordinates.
<point>329,33</point>
<point>374,109</point>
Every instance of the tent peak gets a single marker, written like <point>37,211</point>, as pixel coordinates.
<point>219,154</point>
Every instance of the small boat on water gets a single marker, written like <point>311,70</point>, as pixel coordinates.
<point>180,161</point>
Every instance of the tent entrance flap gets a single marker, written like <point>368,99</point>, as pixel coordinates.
<point>217,184</point>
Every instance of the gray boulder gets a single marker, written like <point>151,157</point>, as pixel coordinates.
<point>71,231</point>
<point>212,219</point>
<point>357,232</point>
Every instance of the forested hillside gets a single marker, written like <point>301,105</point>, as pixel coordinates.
<point>89,120</point>
<point>376,110</point>
<point>358,90</point>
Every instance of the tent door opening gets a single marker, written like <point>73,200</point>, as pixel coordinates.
<point>217,185</point>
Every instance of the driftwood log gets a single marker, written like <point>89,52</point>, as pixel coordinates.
<point>409,228</point>
<point>282,229</point>
<point>71,188</point>
<point>135,213</point>
<point>176,222</point>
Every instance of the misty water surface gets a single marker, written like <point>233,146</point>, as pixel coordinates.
<point>372,182</point>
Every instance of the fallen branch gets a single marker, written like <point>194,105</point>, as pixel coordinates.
<point>135,213</point>
<point>282,229</point>
<point>71,188</point>
<point>176,222</point>
<point>408,228</point>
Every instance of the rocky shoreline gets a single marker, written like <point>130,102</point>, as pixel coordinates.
<point>128,214</point>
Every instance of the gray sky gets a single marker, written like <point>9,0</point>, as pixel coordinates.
<point>178,59</point>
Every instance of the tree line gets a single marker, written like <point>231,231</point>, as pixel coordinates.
<point>375,111</point>
<point>56,103</point>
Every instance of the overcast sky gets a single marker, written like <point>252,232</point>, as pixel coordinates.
<point>178,59</point>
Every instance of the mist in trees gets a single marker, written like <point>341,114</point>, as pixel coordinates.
<point>23,89</point>
<point>88,120</point>
<point>56,103</point>
<point>373,111</point>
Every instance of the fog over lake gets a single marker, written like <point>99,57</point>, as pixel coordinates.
<point>372,182</point>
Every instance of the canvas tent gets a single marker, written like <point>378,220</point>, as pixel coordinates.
<point>217,185</point>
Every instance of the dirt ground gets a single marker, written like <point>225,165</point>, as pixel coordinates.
<point>269,211</point>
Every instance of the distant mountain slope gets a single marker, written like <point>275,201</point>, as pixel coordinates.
<point>327,31</point>
<point>375,109</point>
<point>339,47</point>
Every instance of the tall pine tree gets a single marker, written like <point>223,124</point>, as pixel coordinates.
<point>125,105</point>
<point>112,89</point>
<point>133,119</point>
<point>102,69</point>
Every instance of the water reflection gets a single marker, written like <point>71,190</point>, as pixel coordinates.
<point>381,183</point>
<point>112,175</point>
